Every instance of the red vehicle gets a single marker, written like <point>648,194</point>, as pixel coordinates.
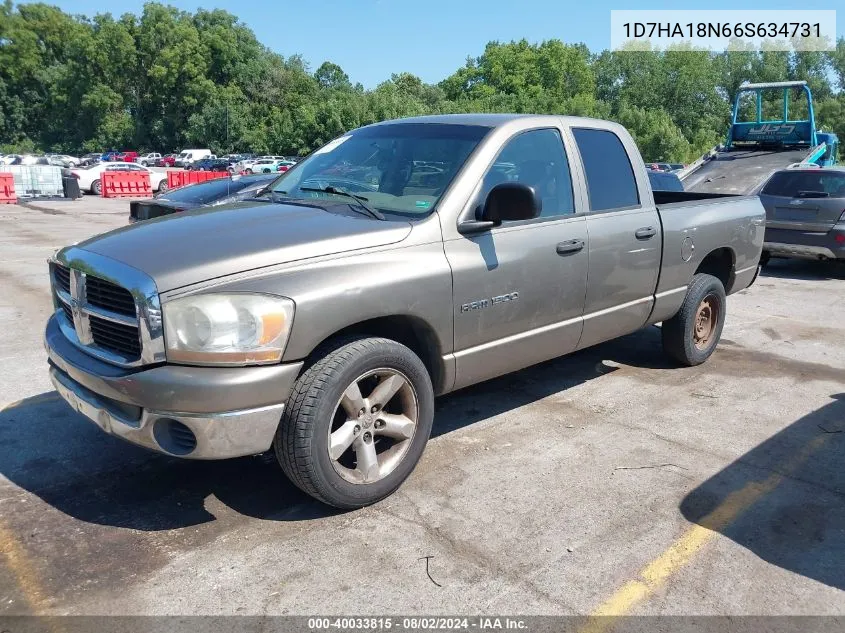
<point>167,161</point>
<point>115,156</point>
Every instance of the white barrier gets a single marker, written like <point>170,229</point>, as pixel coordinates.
<point>36,180</point>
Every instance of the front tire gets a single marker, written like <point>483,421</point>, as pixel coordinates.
<point>691,336</point>
<point>357,422</point>
<point>96,188</point>
<point>162,186</point>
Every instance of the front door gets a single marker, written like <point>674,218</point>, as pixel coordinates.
<point>519,288</point>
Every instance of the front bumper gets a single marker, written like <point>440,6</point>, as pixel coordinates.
<point>192,412</point>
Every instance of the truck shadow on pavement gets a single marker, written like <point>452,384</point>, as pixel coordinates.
<point>785,499</point>
<point>56,454</point>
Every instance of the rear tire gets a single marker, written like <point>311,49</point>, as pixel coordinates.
<point>691,336</point>
<point>352,384</point>
<point>162,186</point>
<point>96,188</point>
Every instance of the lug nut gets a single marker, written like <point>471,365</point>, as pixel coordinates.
<point>374,409</point>
<point>361,412</point>
<point>357,428</point>
<point>368,437</point>
<point>378,424</point>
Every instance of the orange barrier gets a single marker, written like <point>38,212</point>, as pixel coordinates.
<point>126,184</point>
<point>7,189</point>
<point>182,178</point>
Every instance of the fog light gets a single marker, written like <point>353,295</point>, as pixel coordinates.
<point>174,437</point>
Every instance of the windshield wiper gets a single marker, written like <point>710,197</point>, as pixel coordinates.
<point>361,200</point>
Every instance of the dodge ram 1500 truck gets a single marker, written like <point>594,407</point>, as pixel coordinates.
<point>400,261</point>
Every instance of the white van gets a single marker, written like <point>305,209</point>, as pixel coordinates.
<point>188,156</point>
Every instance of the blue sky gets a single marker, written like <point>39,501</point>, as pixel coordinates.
<point>370,39</point>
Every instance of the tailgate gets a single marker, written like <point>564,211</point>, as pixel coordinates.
<point>817,215</point>
<point>809,200</point>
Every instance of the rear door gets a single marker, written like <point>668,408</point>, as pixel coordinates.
<point>808,200</point>
<point>625,239</point>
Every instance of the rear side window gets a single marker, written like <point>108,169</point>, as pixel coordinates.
<point>610,177</point>
<point>806,184</point>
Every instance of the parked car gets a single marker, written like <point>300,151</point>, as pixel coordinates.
<point>204,194</point>
<point>209,164</point>
<point>264,166</point>
<point>244,165</point>
<point>151,158</point>
<point>188,156</point>
<point>89,159</point>
<point>111,155</point>
<point>664,181</point>
<point>168,160</point>
<point>90,177</point>
<point>805,213</point>
<point>284,165</point>
<point>322,323</point>
<point>63,160</point>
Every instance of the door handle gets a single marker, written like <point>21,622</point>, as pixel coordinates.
<point>572,246</point>
<point>645,233</point>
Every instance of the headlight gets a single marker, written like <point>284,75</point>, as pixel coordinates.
<point>227,329</point>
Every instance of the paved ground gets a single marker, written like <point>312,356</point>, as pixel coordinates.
<point>603,482</point>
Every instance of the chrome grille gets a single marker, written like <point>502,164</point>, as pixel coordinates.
<point>117,337</point>
<point>107,309</point>
<point>104,294</point>
<point>68,313</point>
<point>62,277</point>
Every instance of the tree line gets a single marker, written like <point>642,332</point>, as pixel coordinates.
<point>167,79</point>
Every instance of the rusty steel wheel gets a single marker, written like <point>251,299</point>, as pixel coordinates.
<point>692,334</point>
<point>706,318</point>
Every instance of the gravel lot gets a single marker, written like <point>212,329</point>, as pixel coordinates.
<point>607,481</point>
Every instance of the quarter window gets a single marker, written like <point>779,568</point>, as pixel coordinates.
<point>610,177</point>
<point>536,158</point>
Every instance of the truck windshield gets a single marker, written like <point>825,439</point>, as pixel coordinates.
<point>400,168</point>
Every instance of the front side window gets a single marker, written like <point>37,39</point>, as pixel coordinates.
<point>400,168</point>
<point>536,158</point>
<point>610,178</point>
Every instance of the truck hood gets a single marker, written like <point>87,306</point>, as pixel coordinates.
<point>184,249</point>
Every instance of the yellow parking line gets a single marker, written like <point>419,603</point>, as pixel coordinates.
<point>21,567</point>
<point>682,551</point>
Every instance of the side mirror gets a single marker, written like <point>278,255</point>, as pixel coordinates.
<point>506,202</point>
<point>509,202</point>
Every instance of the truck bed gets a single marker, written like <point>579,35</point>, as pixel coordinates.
<point>739,171</point>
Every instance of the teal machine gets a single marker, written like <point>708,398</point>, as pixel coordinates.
<point>783,133</point>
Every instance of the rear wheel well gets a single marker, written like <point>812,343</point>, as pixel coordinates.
<point>719,263</point>
<point>412,332</point>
